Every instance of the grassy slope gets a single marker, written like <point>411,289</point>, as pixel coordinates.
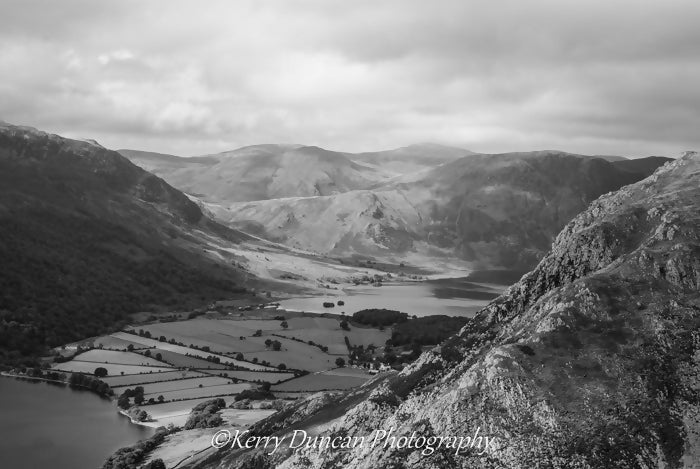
<point>87,238</point>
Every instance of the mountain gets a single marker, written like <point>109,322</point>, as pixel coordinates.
<point>411,159</point>
<point>589,361</point>
<point>164,163</point>
<point>87,237</point>
<point>492,210</point>
<point>263,172</point>
<point>505,209</point>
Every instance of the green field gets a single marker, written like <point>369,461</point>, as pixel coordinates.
<point>194,393</point>
<point>117,358</point>
<point>320,382</point>
<point>75,366</point>
<point>260,376</point>
<point>113,343</point>
<point>187,350</point>
<point>181,384</point>
<point>132,380</point>
<point>183,361</point>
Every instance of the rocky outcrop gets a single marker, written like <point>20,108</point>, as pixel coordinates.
<point>592,360</point>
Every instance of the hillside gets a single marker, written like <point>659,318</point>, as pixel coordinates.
<point>411,159</point>
<point>263,172</point>
<point>492,210</point>
<point>87,237</point>
<point>589,361</point>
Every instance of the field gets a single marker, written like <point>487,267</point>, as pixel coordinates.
<point>183,350</point>
<point>180,384</point>
<point>188,442</point>
<point>117,358</point>
<point>175,412</point>
<point>184,377</point>
<point>231,336</point>
<point>237,336</point>
<point>183,361</point>
<point>133,380</point>
<point>113,343</point>
<point>260,376</point>
<point>321,382</point>
<point>75,366</point>
<point>195,393</point>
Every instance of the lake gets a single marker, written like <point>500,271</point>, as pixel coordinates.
<point>51,426</point>
<point>450,296</point>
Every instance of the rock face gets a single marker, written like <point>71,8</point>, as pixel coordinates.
<point>591,360</point>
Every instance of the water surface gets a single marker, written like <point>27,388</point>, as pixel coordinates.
<point>451,296</point>
<point>45,425</point>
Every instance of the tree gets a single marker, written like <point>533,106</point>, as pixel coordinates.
<point>159,357</point>
<point>284,325</point>
<point>339,362</point>
<point>138,399</point>
<point>268,343</point>
<point>344,325</point>
<point>239,356</point>
<point>100,372</point>
<point>161,398</point>
<point>276,345</point>
<point>258,333</point>
<point>282,366</point>
<point>265,386</point>
<point>130,348</point>
<point>147,353</point>
<point>157,464</point>
<point>123,402</point>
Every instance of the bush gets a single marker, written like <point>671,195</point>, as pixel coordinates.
<point>206,414</point>
<point>254,395</point>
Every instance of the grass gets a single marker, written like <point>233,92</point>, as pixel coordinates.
<point>259,376</point>
<point>187,350</point>
<point>196,393</point>
<point>75,366</point>
<point>182,384</point>
<point>113,343</point>
<point>320,382</point>
<point>132,380</point>
<point>183,361</point>
<point>117,358</point>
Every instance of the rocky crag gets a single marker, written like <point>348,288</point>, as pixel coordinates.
<point>591,360</point>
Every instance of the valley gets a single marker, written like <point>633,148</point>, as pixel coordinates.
<point>287,286</point>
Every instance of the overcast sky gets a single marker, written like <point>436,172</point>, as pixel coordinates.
<point>188,78</point>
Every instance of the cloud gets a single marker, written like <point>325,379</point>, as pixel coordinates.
<point>593,77</point>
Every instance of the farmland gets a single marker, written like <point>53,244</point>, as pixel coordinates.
<point>176,364</point>
<point>117,358</point>
<point>321,382</point>
<point>76,366</point>
<point>134,380</point>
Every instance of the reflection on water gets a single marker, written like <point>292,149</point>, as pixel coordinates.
<point>452,297</point>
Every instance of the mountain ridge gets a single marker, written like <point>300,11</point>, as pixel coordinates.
<point>494,210</point>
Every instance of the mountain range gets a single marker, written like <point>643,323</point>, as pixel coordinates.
<point>589,361</point>
<point>416,203</point>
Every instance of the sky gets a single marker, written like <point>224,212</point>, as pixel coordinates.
<point>191,78</point>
